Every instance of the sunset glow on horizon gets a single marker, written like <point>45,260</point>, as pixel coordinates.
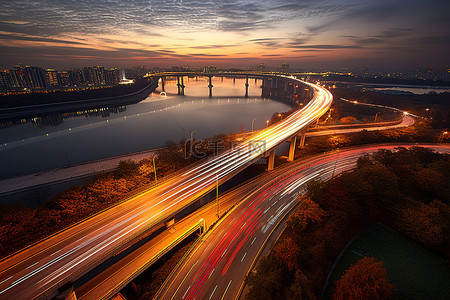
<point>313,34</point>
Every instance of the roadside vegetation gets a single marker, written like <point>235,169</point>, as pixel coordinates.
<point>22,225</point>
<point>407,189</point>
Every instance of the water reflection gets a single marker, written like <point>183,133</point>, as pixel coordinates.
<point>58,140</point>
<point>58,118</point>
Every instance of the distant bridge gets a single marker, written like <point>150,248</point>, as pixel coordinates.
<point>283,88</point>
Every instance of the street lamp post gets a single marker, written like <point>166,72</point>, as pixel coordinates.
<point>192,137</point>
<point>217,194</point>
<point>267,123</point>
<point>154,169</point>
<point>335,163</point>
<point>252,123</point>
<point>441,138</point>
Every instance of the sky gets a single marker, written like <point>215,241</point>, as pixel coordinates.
<point>321,34</point>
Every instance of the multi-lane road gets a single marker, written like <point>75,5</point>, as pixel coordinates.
<point>39,270</point>
<point>217,267</point>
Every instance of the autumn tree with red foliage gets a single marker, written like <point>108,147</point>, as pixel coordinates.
<point>367,279</point>
<point>309,213</point>
<point>286,253</point>
<point>428,223</point>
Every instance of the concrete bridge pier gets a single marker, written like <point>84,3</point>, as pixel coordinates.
<point>210,86</point>
<point>302,138</point>
<point>66,292</point>
<point>246,87</point>
<point>292,148</point>
<point>180,85</point>
<point>271,160</point>
<point>163,83</point>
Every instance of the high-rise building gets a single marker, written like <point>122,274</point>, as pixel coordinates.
<point>76,77</point>
<point>112,76</point>
<point>20,75</point>
<point>51,78</point>
<point>8,79</point>
<point>99,75</point>
<point>88,75</point>
<point>34,77</point>
<point>63,78</point>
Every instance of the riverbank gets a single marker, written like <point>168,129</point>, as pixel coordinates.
<point>49,177</point>
<point>35,104</point>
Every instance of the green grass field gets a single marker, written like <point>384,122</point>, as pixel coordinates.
<point>416,272</point>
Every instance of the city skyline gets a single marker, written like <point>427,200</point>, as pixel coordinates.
<point>307,34</point>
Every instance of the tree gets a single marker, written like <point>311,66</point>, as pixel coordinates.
<point>267,282</point>
<point>300,289</point>
<point>367,279</point>
<point>126,168</point>
<point>309,213</point>
<point>286,253</point>
<point>425,223</point>
<point>428,180</point>
<point>348,120</point>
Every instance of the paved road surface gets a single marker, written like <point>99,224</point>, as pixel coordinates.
<point>217,267</point>
<point>40,270</point>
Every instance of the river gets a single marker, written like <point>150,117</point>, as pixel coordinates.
<point>57,140</point>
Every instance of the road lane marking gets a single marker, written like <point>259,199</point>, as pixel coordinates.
<point>211,273</point>
<point>253,240</point>
<point>6,279</point>
<point>186,292</point>
<point>32,265</point>
<point>243,256</point>
<point>224,252</point>
<point>213,292</point>
<point>223,296</point>
<point>56,252</point>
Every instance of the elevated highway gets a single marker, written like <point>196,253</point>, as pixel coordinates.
<point>38,271</point>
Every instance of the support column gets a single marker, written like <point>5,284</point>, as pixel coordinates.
<point>66,293</point>
<point>302,138</point>
<point>292,148</point>
<point>180,85</point>
<point>246,87</point>
<point>271,160</point>
<point>210,86</point>
<point>163,83</point>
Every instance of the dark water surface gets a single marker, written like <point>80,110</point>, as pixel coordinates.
<point>58,140</point>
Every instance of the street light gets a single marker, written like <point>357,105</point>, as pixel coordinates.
<point>192,137</point>
<point>252,123</point>
<point>217,194</point>
<point>441,138</point>
<point>376,117</point>
<point>154,168</point>
<point>267,123</point>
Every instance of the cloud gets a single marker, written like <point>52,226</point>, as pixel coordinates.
<point>37,39</point>
<point>327,47</point>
